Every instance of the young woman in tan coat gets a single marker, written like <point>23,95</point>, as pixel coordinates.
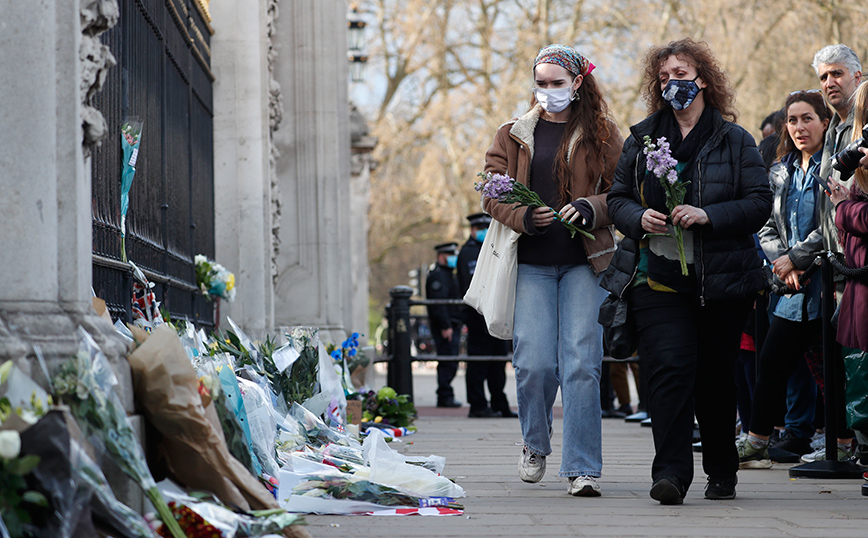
<point>565,148</point>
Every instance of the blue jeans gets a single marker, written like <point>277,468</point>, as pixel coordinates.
<point>558,343</point>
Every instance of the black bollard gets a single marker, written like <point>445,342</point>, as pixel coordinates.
<point>830,468</point>
<point>400,364</point>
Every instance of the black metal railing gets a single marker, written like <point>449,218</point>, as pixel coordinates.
<point>163,77</point>
<point>398,348</point>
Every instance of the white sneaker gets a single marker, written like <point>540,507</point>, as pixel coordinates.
<point>820,455</point>
<point>583,486</point>
<point>531,467</point>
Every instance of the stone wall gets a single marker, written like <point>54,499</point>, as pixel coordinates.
<point>52,64</point>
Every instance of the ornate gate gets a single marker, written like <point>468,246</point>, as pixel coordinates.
<point>163,78</point>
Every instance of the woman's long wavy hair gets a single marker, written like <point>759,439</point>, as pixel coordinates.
<point>589,114</point>
<point>718,91</point>
<point>816,101</point>
<point>860,118</point>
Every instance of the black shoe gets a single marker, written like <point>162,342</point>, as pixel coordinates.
<point>613,413</point>
<point>626,409</point>
<point>790,442</point>
<point>507,413</point>
<point>668,490</point>
<point>721,488</point>
<point>451,402</point>
<point>780,455</point>
<point>774,438</point>
<point>485,412</point>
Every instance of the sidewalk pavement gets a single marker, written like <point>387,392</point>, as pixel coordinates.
<point>482,456</point>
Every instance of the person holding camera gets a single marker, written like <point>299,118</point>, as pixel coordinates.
<point>851,219</point>
<point>840,72</point>
<point>792,239</point>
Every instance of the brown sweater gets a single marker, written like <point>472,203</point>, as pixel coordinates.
<point>511,153</point>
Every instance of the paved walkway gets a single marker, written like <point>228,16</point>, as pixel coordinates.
<point>482,454</point>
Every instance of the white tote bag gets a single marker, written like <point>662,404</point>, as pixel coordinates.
<point>492,288</point>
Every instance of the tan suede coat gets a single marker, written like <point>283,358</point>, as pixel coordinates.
<point>511,153</point>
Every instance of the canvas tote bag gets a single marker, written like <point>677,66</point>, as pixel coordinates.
<point>492,288</point>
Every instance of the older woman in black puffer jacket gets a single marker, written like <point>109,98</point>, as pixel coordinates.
<point>689,314</point>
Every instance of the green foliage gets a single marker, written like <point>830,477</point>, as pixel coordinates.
<point>296,384</point>
<point>19,506</point>
<point>393,408</point>
<point>339,487</point>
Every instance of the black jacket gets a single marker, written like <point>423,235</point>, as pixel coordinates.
<point>479,341</point>
<point>729,182</point>
<point>441,284</point>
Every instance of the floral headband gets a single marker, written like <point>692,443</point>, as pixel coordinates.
<point>566,57</point>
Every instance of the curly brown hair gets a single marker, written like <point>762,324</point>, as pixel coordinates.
<point>815,100</point>
<point>589,113</point>
<point>718,91</point>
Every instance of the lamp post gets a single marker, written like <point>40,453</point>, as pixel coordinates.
<point>355,42</point>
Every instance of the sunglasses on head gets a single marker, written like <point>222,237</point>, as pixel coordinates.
<point>804,91</point>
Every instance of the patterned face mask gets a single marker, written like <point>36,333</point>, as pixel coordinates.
<point>681,93</point>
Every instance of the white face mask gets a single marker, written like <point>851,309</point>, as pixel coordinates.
<point>554,101</point>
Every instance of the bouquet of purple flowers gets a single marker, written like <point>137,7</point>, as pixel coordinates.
<point>659,161</point>
<point>506,190</point>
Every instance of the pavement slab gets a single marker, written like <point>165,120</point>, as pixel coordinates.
<point>482,455</point>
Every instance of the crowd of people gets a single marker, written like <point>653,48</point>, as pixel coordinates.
<point>691,224</point>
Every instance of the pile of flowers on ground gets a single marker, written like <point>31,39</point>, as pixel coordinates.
<point>260,427</point>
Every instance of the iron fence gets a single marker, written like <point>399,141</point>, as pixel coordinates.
<point>163,77</point>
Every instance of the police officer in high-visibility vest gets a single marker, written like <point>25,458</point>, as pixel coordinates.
<point>479,341</point>
<point>445,320</point>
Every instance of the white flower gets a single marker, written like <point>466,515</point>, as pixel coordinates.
<point>28,416</point>
<point>200,259</point>
<point>10,444</point>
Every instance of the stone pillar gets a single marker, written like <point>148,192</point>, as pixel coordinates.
<point>243,122</point>
<point>45,267</point>
<point>314,281</point>
<point>362,144</point>
<point>51,65</point>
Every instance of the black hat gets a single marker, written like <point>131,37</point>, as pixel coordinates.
<point>447,248</point>
<point>480,220</point>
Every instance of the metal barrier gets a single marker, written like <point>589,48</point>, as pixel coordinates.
<point>398,353</point>
<point>833,372</point>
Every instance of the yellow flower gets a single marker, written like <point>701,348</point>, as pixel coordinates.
<point>230,282</point>
<point>378,419</point>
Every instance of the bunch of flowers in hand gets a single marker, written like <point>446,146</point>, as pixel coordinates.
<point>387,406</point>
<point>213,279</point>
<point>659,161</point>
<point>506,190</point>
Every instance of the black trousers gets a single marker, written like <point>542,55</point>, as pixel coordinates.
<point>446,370</point>
<point>492,372</point>
<point>689,352</point>
<point>785,345</point>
